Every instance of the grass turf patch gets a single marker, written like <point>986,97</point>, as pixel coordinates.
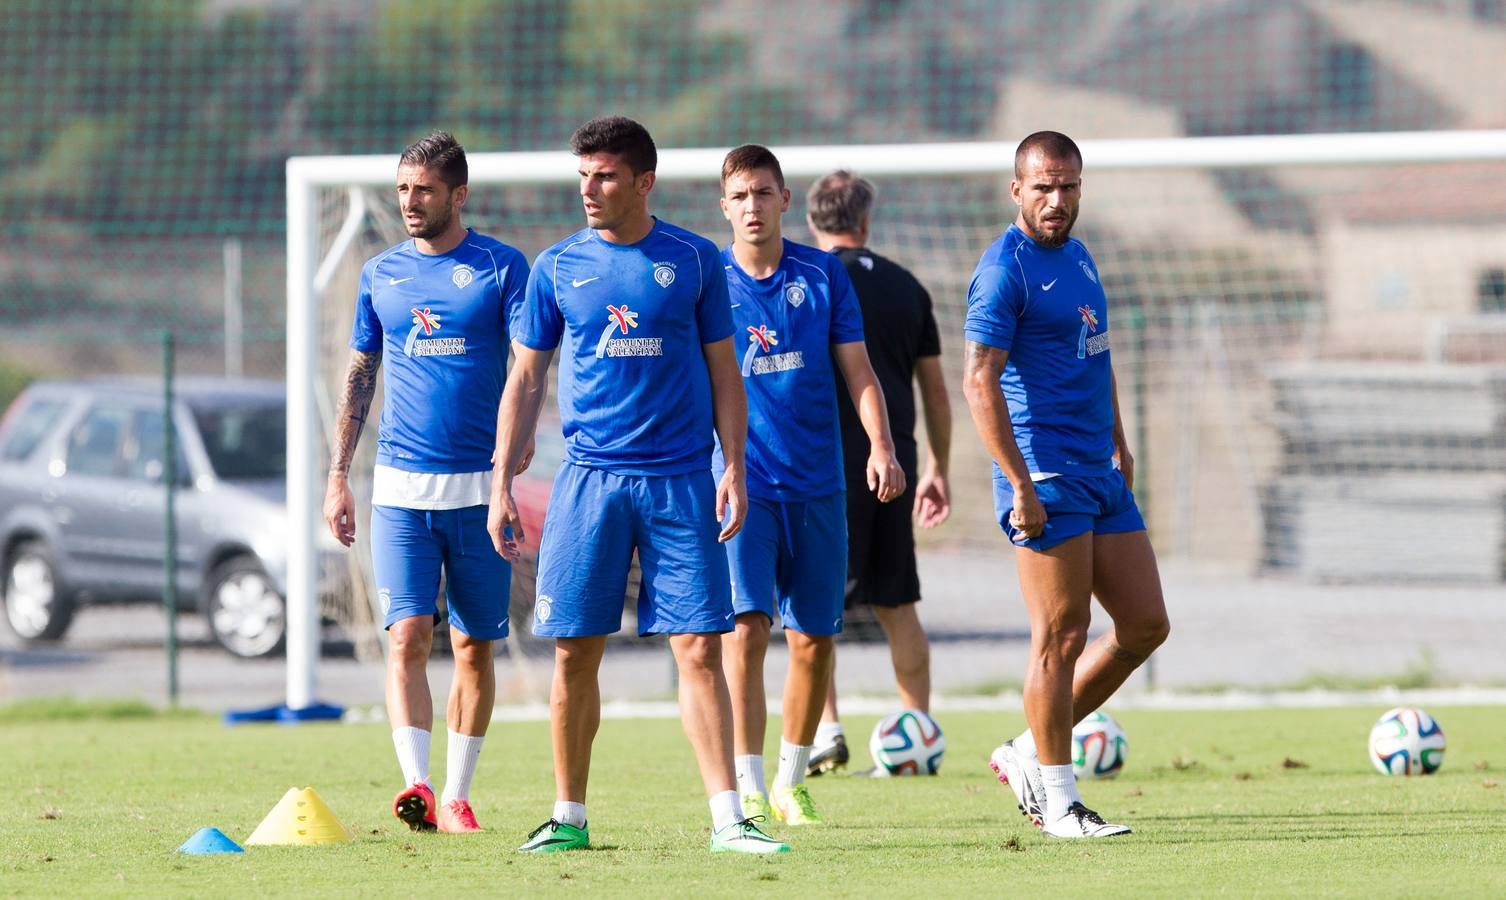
<point>1242,802</point>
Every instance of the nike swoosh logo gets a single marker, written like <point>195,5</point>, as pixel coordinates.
<point>578,283</point>
<point>392,281</point>
<point>1049,285</point>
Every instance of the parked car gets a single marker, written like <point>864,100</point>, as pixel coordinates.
<point>82,507</point>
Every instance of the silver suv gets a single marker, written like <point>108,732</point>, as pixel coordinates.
<point>82,511</point>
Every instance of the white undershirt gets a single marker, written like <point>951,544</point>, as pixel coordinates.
<point>429,490</point>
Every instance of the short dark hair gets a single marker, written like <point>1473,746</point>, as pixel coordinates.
<point>838,203</point>
<point>751,158</point>
<point>441,152</point>
<point>1049,144</point>
<point>619,135</point>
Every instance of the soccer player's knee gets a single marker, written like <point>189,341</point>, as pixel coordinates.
<point>700,652</point>
<point>1065,637</point>
<point>1152,633</point>
<point>810,648</point>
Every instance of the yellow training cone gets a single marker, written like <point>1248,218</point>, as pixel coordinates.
<point>300,817</point>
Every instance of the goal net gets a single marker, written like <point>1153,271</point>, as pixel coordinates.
<point>1307,333</point>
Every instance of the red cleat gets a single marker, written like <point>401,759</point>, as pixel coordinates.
<point>415,805</point>
<point>456,817</point>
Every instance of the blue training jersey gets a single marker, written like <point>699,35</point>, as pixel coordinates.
<point>785,326</point>
<point>442,323</point>
<point>634,391</point>
<point>1047,308</point>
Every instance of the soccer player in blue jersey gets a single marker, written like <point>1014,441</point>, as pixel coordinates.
<point>647,381</point>
<point>798,320</point>
<point>439,307</point>
<point>1038,380</point>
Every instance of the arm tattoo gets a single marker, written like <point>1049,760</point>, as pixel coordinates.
<point>355,403</point>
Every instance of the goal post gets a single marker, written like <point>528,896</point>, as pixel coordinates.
<point>1209,237</point>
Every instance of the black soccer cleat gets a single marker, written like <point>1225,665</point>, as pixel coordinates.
<point>829,758</point>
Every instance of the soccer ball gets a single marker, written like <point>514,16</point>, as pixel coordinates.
<point>908,742</point>
<point>1406,741</point>
<point>1098,747</point>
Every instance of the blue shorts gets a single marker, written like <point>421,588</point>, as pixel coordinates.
<point>796,553</point>
<point>408,549</point>
<point>596,519</point>
<point>1075,504</point>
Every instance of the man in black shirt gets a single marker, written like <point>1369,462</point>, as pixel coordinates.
<point>903,344</point>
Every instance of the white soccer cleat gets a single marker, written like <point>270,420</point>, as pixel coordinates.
<point>1081,822</point>
<point>1021,774</point>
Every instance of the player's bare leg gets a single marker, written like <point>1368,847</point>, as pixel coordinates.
<point>410,709</point>
<point>743,652</point>
<point>706,707</point>
<point>473,695</point>
<point>1057,586</point>
<point>1128,586</point>
<point>910,652</point>
<point>805,689</point>
<point>575,712</point>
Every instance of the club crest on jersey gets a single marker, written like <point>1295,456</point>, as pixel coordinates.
<point>426,322</point>
<point>621,320</point>
<point>462,275</point>
<point>664,274</point>
<point>795,293</point>
<point>764,338</point>
<point>1088,271</point>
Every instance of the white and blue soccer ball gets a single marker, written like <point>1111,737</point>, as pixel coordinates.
<point>1406,741</point>
<point>908,742</point>
<point>1098,747</point>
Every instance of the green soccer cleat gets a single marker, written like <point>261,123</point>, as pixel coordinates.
<point>554,836</point>
<point>756,806</point>
<point>793,805</point>
<point>744,837</point>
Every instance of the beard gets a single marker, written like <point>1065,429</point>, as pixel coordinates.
<point>1046,238</point>
<point>430,228</point>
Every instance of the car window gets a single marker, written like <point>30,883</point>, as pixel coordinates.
<point>96,443</point>
<point>30,425</point>
<point>144,454</point>
<point>245,443</point>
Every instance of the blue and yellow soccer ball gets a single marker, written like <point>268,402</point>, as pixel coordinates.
<point>908,742</point>
<point>1098,747</point>
<point>1406,741</point>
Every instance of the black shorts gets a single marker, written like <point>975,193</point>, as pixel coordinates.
<point>880,545</point>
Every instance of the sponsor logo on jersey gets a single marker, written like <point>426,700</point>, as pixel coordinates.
<point>1088,271</point>
<point>621,320</point>
<point>765,339</point>
<point>664,274</point>
<point>462,275</point>
<point>426,321</point>
<point>1089,341</point>
<point>795,293</point>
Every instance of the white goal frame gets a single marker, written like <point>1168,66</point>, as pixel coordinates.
<point>308,273</point>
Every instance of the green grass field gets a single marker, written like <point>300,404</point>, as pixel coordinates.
<point>1277,802</point>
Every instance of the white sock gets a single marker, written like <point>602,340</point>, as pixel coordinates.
<point>1025,744</point>
<point>828,732</point>
<point>726,809</point>
<point>792,761</point>
<point>568,812</point>
<point>750,774</point>
<point>1061,790</point>
<point>412,745</point>
<point>461,754</point>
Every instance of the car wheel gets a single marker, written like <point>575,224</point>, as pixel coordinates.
<point>37,608</point>
<point>246,614</point>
